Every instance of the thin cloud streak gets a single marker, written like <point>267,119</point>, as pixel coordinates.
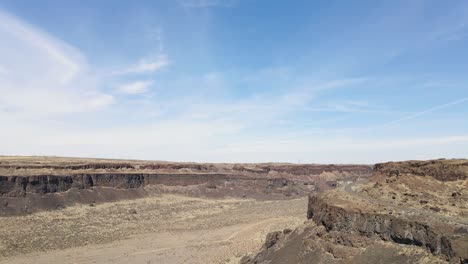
<point>58,81</point>
<point>144,66</point>
<point>427,111</point>
<point>135,87</point>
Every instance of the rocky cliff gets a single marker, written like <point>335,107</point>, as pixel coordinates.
<point>24,180</point>
<point>446,238</point>
<point>402,213</point>
<point>19,186</point>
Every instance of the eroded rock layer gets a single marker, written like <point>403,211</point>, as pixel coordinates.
<point>58,182</point>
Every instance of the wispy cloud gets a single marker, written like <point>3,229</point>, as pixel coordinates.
<point>340,83</point>
<point>43,75</point>
<point>303,109</point>
<point>259,110</point>
<point>146,65</point>
<point>424,112</point>
<point>343,107</point>
<point>304,144</point>
<point>135,87</point>
<point>303,95</point>
<point>98,101</point>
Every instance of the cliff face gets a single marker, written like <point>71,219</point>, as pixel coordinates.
<point>22,175</point>
<point>28,179</point>
<point>439,238</point>
<point>18,186</point>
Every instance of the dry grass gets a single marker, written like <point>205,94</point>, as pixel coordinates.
<point>103,223</point>
<point>423,193</point>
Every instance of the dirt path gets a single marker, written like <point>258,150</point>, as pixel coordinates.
<point>166,229</point>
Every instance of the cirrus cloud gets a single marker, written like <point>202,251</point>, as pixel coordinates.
<point>42,75</point>
<point>135,87</point>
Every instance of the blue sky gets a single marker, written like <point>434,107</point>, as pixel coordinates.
<point>235,80</point>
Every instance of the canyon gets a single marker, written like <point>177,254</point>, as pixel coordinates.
<point>79,210</point>
<point>29,184</point>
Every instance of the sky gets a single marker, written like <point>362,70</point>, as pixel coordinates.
<point>235,80</point>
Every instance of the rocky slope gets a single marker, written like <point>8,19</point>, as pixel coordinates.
<point>28,184</point>
<point>407,212</point>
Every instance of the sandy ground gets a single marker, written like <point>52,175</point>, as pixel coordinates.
<point>162,229</point>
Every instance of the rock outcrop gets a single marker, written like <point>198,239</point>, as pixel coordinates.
<point>442,169</point>
<point>441,238</point>
<point>406,212</point>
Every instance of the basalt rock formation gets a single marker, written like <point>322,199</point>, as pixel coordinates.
<point>29,184</point>
<point>14,186</point>
<point>438,237</point>
<point>407,212</point>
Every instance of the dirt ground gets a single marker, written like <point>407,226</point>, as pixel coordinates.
<point>160,229</point>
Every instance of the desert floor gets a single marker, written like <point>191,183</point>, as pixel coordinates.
<point>159,229</point>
